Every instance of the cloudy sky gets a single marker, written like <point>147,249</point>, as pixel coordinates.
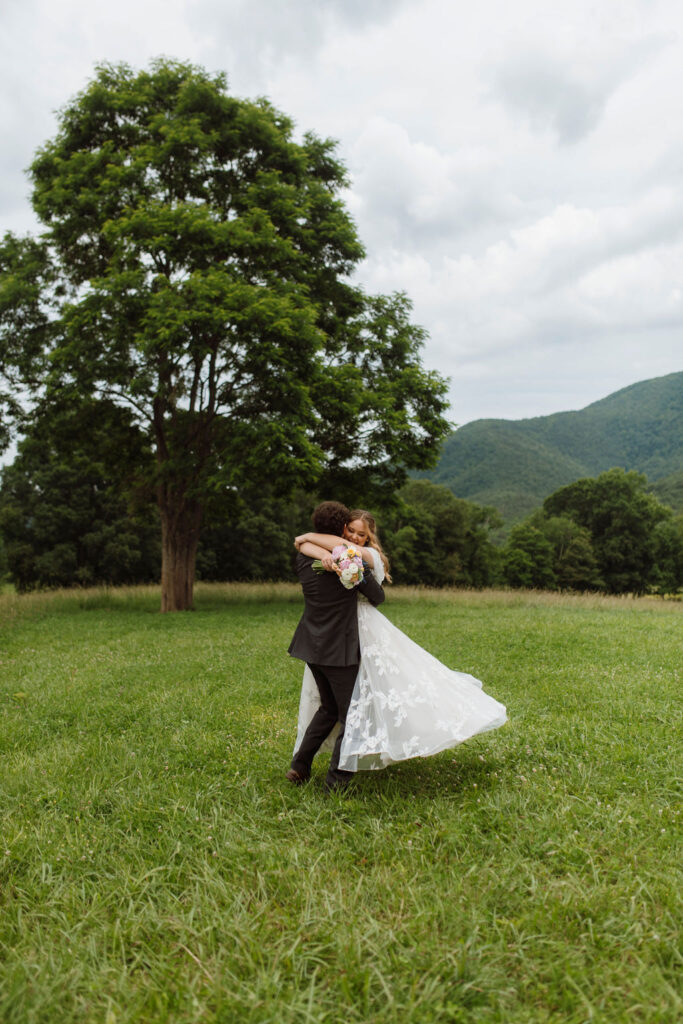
<point>517,165</point>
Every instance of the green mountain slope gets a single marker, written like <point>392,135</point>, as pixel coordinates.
<point>669,490</point>
<point>515,464</point>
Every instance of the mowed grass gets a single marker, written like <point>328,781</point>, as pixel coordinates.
<point>156,866</point>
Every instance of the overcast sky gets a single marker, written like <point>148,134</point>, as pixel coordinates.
<point>517,165</point>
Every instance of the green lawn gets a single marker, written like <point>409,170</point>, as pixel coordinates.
<point>156,866</point>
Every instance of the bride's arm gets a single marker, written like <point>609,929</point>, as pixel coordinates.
<point>312,550</point>
<point>329,542</point>
<point>322,540</point>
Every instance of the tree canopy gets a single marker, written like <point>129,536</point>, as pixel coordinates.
<point>436,539</point>
<point>194,269</point>
<point>622,519</point>
<point>69,509</point>
<point>603,533</point>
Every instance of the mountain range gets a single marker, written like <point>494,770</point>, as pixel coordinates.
<point>515,464</point>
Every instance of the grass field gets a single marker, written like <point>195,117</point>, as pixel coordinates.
<point>155,866</point>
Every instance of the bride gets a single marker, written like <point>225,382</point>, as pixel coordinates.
<point>405,702</point>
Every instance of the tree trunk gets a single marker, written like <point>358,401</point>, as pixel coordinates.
<point>179,538</point>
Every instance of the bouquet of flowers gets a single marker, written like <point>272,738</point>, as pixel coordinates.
<point>349,563</point>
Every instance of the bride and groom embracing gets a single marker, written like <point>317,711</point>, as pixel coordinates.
<point>369,693</point>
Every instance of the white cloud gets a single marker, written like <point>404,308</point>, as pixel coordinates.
<point>565,87</point>
<point>516,167</point>
<point>407,191</point>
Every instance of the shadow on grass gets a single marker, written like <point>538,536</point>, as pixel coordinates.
<point>444,776</point>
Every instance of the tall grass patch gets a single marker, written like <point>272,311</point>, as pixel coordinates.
<point>155,866</point>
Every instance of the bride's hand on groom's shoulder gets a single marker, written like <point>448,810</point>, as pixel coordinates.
<point>301,539</point>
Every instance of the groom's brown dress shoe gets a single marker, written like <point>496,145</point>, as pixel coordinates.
<point>294,777</point>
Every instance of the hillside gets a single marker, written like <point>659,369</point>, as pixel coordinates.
<point>515,464</point>
<point>670,490</point>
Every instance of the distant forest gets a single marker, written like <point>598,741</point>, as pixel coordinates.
<point>74,513</point>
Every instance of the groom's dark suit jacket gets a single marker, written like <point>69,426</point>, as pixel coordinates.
<point>328,631</point>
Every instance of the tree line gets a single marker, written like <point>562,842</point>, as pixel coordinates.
<point>76,508</point>
<point>604,533</point>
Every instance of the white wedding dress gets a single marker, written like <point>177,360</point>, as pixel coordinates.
<point>405,702</point>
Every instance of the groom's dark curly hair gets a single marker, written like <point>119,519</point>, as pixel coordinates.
<point>331,517</point>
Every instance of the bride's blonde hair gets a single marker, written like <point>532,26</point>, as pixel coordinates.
<point>373,539</point>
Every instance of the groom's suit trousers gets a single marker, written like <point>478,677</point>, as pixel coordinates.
<point>335,684</point>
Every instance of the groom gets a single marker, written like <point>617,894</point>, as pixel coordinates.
<point>327,640</point>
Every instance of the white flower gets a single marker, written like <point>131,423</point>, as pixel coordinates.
<point>349,575</point>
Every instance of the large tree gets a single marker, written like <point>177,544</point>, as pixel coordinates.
<point>622,519</point>
<point>194,268</point>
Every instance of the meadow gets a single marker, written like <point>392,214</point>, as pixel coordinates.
<point>155,866</point>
